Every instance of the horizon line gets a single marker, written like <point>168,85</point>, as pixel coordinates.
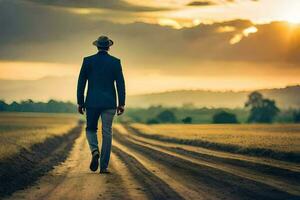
<point>218,90</point>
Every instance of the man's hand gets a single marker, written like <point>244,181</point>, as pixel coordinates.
<point>120,110</point>
<point>81,110</point>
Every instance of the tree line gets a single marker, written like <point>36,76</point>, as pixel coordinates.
<point>261,110</point>
<point>52,106</point>
<point>257,109</point>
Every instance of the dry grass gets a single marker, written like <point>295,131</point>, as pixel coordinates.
<point>22,130</point>
<point>276,137</point>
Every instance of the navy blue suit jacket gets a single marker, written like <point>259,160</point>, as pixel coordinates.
<point>101,71</point>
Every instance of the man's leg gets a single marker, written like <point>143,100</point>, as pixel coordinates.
<point>107,117</point>
<point>92,117</point>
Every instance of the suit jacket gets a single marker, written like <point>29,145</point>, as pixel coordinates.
<point>101,71</point>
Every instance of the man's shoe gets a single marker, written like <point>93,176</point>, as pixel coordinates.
<point>95,161</point>
<point>104,171</point>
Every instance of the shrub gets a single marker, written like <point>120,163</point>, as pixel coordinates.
<point>166,116</point>
<point>224,117</point>
<point>152,121</point>
<point>187,120</point>
<point>296,116</point>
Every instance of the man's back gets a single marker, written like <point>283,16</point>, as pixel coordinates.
<point>101,71</point>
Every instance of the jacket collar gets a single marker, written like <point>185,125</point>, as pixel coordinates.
<point>102,52</point>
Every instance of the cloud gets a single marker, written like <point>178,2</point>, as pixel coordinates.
<point>245,33</point>
<point>52,35</point>
<point>102,4</point>
<point>244,0</point>
<point>200,3</point>
<point>210,3</point>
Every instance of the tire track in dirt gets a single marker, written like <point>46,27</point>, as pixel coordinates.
<point>159,171</point>
<point>130,184</point>
<point>257,160</point>
<point>152,185</point>
<point>284,179</point>
<point>223,183</point>
<point>289,177</point>
<point>230,148</point>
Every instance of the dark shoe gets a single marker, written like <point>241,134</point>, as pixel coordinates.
<point>95,162</point>
<point>104,171</point>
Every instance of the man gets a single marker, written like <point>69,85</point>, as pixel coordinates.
<point>101,71</point>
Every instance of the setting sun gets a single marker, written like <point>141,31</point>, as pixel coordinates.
<point>292,17</point>
<point>290,12</point>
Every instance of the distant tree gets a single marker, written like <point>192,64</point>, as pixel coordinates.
<point>166,116</point>
<point>296,116</point>
<point>224,117</point>
<point>187,120</point>
<point>14,106</point>
<point>261,110</point>
<point>28,101</point>
<point>254,100</point>
<point>152,121</point>
<point>3,105</point>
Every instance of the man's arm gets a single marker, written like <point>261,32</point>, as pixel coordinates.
<point>120,88</point>
<point>82,79</point>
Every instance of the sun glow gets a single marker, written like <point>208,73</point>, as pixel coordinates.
<point>292,14</point>
<point>293,18</point>
<point>34,70</point>
<point>169,22</point>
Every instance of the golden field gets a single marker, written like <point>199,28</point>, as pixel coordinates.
<point>22,130</point>
<point>277,137</point>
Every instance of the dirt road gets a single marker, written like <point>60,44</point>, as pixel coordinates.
<point>150,169</point>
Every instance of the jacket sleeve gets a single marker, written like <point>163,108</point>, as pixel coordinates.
<point>82,79</point>
<point>120,83</point>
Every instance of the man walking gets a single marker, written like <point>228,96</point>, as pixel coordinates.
<point>101,71</point>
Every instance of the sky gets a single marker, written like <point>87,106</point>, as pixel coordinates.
<point>163,45</point>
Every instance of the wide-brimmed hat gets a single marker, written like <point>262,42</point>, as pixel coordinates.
<point>103,41</point>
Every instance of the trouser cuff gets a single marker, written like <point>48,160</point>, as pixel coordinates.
<point>95,152</point>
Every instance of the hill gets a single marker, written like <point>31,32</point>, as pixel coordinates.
<point>44,89</point>
<point>288,97</point>
<point>64,88</point>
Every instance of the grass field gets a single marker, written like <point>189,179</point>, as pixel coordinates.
<point>22,130</point>
<point>283,138</point>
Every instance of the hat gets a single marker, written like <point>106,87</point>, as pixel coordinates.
<point>103,41</point>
